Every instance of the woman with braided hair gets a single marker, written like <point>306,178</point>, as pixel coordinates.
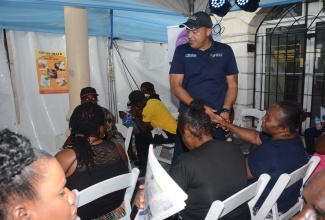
<point>32,182</point>
<point>91,160</point>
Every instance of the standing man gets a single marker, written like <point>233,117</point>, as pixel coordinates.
<point>155,124</point>
<point>204,69</point>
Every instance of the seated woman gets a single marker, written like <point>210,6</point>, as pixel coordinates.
<point>32,182</point>
<point>91,160</point>
<point>211,170</point>
<point>280,148</point>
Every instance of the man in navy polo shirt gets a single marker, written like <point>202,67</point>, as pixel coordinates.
<point>205,69</point>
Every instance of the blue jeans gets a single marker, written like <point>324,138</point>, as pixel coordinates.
<point>180,147</point>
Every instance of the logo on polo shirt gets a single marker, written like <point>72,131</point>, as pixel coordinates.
<point>190,55</point>
<point>216,55</point>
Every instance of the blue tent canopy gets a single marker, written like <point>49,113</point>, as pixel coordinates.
<point>132,19</point>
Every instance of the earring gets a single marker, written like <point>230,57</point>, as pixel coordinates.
<point>186,139</point>
<point>102,135</point>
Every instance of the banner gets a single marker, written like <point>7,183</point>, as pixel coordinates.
<point>51,72</point>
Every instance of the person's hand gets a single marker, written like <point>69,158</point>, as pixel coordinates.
<point>221,122</point>
<point>134,111</point>
<point>225,115</point>
<point>211,112</point>
<point>140,199</point>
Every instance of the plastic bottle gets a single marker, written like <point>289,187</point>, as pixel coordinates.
<point>317,123</point>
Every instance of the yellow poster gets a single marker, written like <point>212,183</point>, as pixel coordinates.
<point>51,72</point>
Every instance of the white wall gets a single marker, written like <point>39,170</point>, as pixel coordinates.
<point>238,33</point>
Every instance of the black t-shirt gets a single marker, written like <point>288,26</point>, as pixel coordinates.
<point>214,171</point>
<point>108,164</point>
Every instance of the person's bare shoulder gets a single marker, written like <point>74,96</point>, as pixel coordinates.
<point>65,155</point>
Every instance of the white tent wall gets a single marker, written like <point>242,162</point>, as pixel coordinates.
<point>43,116</point>
<point>147,62</point>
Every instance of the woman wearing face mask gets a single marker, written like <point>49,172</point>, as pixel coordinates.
<point>32,182</point>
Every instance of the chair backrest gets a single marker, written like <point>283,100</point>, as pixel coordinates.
<point>250,193</point>
<point>175,115</point>
<point>252,112</point>
<point>322,113</point>
<point>127,134</point>
<point>105,187</point>
<point>285,181</point>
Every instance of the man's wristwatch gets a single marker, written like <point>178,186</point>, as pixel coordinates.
<point>226,110</point>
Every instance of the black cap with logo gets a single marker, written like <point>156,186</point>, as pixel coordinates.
<point>197,20</point>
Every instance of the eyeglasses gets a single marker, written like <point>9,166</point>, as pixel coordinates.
<point>92,99</point>
<point>137,108</point>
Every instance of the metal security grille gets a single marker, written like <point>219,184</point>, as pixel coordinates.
<point>290,57</point>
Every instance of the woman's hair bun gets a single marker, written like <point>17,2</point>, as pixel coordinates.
<point>197,105</point>
<point>15,154</point>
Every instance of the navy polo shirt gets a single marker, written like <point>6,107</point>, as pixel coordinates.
<point>205,71</point>
<point>276,157</point>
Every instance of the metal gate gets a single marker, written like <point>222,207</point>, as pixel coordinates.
<point>290,57</point>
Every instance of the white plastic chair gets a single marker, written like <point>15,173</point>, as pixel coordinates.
<point>322,113</point>
<point>250,193</point>
<point>127,134</point>
<point>250,112</point>
<point>284,181</point>
<point>170,146</point>
<point>105,187</point>
<point>246,112</point>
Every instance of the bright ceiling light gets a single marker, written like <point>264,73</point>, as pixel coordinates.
<point>219,7</point>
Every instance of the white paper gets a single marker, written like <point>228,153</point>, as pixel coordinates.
<point>162,195</point>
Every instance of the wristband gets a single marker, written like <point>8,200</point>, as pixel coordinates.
<point>226,110</point>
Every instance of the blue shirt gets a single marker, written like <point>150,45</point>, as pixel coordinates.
<point>276,157</point>
<point>205,72</point>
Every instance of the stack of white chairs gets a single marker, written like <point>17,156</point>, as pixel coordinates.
<point>246,112</point>
<point>127,134</point>
<point>126,181</point>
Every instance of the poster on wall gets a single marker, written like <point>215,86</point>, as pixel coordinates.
<point>51,72</point>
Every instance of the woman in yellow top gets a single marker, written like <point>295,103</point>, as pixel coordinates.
<point>155,123</point>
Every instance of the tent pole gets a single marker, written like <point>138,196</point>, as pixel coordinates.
<point>111,76</point>
<point>76,35</point>
<point>191,5</point>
